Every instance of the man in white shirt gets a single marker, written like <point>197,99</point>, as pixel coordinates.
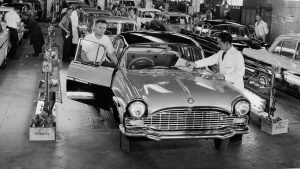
<point>230,61</point>
<point>99,37</point>
<point>75,22</point>
<point>261,28</point>
<point>13,21</point>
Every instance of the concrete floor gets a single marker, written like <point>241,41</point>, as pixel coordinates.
<point>85,141</point>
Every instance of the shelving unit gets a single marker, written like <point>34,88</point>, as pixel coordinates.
<point>43,124</point>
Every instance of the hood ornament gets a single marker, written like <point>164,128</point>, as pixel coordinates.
<point>190,100</point>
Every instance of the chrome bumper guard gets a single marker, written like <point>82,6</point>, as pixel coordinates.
<point>164,135</point>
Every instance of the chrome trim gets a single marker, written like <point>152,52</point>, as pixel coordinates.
<point>183,119</point>
<point>207,134</point>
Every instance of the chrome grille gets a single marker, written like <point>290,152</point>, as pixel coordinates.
<point>179,119</point>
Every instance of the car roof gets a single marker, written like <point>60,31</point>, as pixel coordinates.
<point>290,35</point>
<point>96,11</point>
<point>115,19</point>
<point>6,8</point>
<point>175,14</point>
<point>221,21</point>
<point>156,37</point>
<point>149,9</point>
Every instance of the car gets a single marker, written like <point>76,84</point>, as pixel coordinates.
<point>175,20</point>
<point>37,7</point>
<point>208,31</point>
<point>152,94</point>
<point>4,44</point>
<point>23,6</point>
<point>284,53</point>
<point>115,25</point>
<point>146,14</point>
<point>3,11</point>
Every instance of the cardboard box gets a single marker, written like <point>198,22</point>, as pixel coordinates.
<point>41,134</point>
<point>277,127</point>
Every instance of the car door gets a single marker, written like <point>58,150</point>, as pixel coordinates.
<point>90,73</point>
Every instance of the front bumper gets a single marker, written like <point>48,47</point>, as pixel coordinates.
<point>200,134</point>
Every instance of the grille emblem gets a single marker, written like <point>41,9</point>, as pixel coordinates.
<point>190,100</point>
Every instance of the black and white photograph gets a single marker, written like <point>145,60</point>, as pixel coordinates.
<point>149,84</point>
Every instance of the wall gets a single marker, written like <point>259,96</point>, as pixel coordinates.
<point>284,11</point>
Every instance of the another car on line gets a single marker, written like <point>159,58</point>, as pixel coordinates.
<point>283,53</point>
<point>206,32</point>
<point>146,14</point>
<point>175,20</point>
<point>151,92</point>
<point>23,6</point>
<point>4,44</point>
<point>115,25</point>
<point>3,11</point>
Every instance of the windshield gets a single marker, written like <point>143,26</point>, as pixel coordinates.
<point>126,27</point>
<point>160,56</point>
<point>111,28</point>
<point>178,20</point>
<point>237,32</point>
<point>148,14</point>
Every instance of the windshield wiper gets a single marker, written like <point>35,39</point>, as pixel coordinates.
<point>158,67</point>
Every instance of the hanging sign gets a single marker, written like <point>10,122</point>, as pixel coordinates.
<point>290,18</point>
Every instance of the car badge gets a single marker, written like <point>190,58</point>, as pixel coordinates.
<point>190,100</point>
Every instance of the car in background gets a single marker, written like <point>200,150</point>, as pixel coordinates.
<point>23,6</point>
<point>151,92</point>
<point>36,6</point>
<point>284,53</point>
<point>175,20</point>
<point>146,14</point>
<point>115,25</point>
<point>4,44</point>
<point>210,29</point>
<point>3,11</point>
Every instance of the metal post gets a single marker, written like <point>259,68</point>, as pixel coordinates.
<point>272,93</point>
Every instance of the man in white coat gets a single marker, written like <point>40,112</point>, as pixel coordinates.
<point>230,61</point>
<point>75,22</point>
<point>261,28</point>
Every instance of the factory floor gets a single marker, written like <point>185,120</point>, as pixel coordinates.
<point>88,138</point>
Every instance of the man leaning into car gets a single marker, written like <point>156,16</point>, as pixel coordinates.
<point>99,37</point>
<point>230,61</point>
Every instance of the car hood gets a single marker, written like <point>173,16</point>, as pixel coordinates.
<point>240,44</point>
<point>163,90</point>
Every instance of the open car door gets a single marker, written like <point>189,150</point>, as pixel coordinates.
<point>90,73</point>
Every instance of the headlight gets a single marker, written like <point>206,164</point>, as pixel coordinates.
<point>241,107</point>
<point>137,109</point>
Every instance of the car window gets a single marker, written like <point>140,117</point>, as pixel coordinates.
<point>286,49</point>
<point>178,20</point>
<point>111,28</point>
<point>148,14</point>
<point>1,30</point>
<point>89,52</point>
<point>218,29</point>
<point>119,46</point>
<point>126,27</point>
<point>297,56</point>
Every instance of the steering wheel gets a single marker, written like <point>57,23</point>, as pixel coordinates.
<point>107,32</point>
<point>141,63</point>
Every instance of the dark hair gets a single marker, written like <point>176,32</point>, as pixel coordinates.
<point>258,14</point>
<point>78,7</point>
<point>100,21</point>
<point>70,8</point>
<point>155,25</point>
<point>225,37</point>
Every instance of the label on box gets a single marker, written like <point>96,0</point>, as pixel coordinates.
<point>47,67</point>
<point>41,134</point>
<point>272,128</point>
